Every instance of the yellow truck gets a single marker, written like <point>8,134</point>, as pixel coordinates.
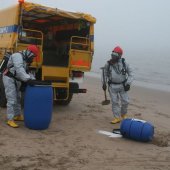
<point>65,40</point>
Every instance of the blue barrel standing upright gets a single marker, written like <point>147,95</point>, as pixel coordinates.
<point>137,129</point>
<point>38,104</point>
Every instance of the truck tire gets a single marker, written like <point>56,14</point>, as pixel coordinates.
<point>65,102</point>
<point>2,94</point>
<point>63,94</point>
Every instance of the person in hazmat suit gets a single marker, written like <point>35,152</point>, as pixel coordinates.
<point>18,68</point>
<point>119,76</point>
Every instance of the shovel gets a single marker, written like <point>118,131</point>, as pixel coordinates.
<point>106,101</point>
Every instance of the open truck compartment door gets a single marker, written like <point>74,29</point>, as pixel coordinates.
<point>80,54</point>
<point>29,36</point>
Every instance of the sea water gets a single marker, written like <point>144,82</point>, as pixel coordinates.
<point>150,72</point>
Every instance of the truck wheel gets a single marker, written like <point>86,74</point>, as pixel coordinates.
<point>65,102</point>
<point>62,95</point>
<point>2,94</point>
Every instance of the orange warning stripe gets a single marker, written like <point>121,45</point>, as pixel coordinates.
<point>80,63</point>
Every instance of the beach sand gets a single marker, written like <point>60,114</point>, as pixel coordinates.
<point>72,141</point>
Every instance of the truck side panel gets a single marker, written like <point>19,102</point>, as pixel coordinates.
<point>8,26</point>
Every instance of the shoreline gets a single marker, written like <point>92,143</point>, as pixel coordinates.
<point>160,87</point>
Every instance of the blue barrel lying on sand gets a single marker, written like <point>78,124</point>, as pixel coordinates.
<point>38,104</point>
<point>137,129</point>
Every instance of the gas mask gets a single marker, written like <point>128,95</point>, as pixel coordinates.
<point>115,57</point>
<point>29,56</point>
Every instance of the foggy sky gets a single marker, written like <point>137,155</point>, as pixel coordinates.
<point>141,28</point>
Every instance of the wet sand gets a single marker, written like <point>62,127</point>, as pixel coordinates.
<point>72,141</point>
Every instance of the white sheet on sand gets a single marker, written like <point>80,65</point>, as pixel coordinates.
<point>110,134</point>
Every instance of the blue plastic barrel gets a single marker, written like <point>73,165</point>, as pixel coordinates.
<point>137,129</point>
<point>38,104</point>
